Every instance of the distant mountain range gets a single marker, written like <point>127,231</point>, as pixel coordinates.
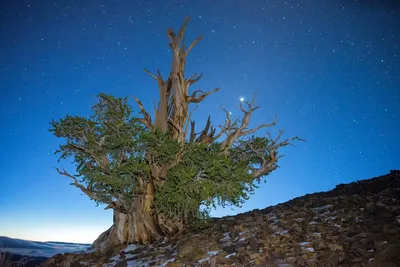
<point>36,251</point>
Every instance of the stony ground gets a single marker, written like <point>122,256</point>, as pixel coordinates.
<point>353,225</point>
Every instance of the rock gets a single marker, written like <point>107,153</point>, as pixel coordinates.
<point>229,249</point>
<point>253,244</point>
<point>353,225</point>
<point>121,264</point>
<point>390,254</point>
<point>333,260</point>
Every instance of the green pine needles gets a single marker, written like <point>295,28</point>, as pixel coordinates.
<point>111,149</point>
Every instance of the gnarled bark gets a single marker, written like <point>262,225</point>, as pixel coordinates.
<point>136,227</point>
<point>139,224</point>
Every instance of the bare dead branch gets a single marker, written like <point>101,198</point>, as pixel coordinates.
<point>89,193</point>
<point>157,77</point>
<point>112,205</point>
<point>193,44</point>
<point>174,125</point>
<point>192,133</point>
<point>171,37</point>
<point>204,133</point>
<point>101,164</point>
<point>182,29</point>
<point>194,99</point>
<point>188,98</point>
<point>147,118</point>
<point>270,159</point>
<point>260,155</point>
<point>151,74</point>
<point>226,128</point>
<point>264,125</point>
<point>188,119</point>
<point>193,79</point>
<point>218,135</point>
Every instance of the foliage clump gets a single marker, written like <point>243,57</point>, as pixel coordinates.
<point>111,149</point>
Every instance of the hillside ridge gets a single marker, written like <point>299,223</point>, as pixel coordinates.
<point>352,225</point>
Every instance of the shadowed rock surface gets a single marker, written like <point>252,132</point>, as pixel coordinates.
<point>353,225</point>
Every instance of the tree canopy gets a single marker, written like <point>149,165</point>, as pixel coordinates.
<point>110,149</point>
<point>123,159</point>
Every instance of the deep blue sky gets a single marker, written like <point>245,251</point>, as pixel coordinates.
<point>329,70</point>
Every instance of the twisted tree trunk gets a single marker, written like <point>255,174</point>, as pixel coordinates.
<point>141,224</point>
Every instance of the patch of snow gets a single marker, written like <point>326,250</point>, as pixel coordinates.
<point>135,263</point>
<point>165,263</point>
<point>226,237</point>
<point>325,213</point>
<point>317,234</point>
<point>274,219</point>
<point>309,249</point>
<point>139,262</point>
<point>241,233</point>
<point>111,264</point>
<point>230,255</point>
<point>213,253</point>
<point>130,255</point>
<point>203,260</point>
<point>116,258</point>
<point>130,247</point>
<point>313,222</point>
<point>304,243</point>
<point>299,219</point>
<point>280,232</point>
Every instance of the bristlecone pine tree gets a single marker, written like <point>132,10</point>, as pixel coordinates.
<point>157,174</point>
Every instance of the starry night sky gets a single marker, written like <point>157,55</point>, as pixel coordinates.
<point>330,70</point>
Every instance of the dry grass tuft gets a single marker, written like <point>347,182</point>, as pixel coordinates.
<point>6,261</point>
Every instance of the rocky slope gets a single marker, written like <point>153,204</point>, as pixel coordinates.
<point>353,225</point>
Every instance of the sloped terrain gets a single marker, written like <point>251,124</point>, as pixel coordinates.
<point>353,225</point>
